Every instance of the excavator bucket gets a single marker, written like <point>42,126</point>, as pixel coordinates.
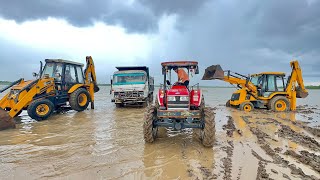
<point>213,72</point>
<point>6,122</point>
<point>301,93</point>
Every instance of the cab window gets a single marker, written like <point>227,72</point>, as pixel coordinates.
<point>53,70</point>
<point>80,74</point>
<point>271,83</point>
<point>280,83</point>
<point>70,74</point>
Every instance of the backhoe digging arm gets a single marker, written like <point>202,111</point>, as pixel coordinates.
<point>90,79</point>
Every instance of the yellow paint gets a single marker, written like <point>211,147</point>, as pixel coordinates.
<point>82,99</point>
<point>280,105</point>
<point>249,92</point>
<point>42,109</point>
<point>19,101</point>
<point>75,87</point>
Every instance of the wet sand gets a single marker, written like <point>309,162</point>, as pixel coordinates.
<point>107,143</point>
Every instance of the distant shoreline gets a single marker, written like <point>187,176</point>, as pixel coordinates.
<point>308,87</point>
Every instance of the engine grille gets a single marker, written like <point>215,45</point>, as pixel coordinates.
<point>178,104</point>
<point>128,94</point>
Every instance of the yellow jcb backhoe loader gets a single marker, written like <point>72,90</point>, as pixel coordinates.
<point>267,89</point>
<point>60,84</point>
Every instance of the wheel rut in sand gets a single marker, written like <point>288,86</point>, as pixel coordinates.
<point>285,132</point>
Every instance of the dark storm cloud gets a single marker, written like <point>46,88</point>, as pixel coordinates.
<point>81,13</point>
<point>245,36</point>
<point>139,16</point>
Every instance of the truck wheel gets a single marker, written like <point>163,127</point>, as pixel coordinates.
<point>228,103</point>
<point>246,106</point>
<point>40,109</point>
<point>208,132</point>
<point>79,99</point>
<point>149,131</point>
<point>279,103</point>
<point>119,105</point>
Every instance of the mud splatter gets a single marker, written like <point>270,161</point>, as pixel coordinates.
<point>227,162</point>
<point>299,138</point>
<point>262,173</point>
<point>229,127</point>
<point>307,158</point>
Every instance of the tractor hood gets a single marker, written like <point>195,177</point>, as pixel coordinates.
<point>178,91</point>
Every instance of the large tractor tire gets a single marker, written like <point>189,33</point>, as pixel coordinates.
<point>246,106</point>
<point>279,104</point>
<point>149,131</point>
<point>40,109</point>
<point>6,122</point>
<point>79,99</point>
<point>208,132</point>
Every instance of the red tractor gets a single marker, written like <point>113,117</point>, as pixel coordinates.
<point>179,106</point>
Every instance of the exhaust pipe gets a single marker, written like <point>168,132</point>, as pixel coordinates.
<point>213,72</point>
<point>6,122</point>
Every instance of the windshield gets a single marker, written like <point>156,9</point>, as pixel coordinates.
<point>129,78</point>
<point>256,80</point>
<point>52,69</point>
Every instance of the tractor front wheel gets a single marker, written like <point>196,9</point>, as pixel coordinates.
<point>208,132</point>
<point>246,106</point>
<point>149,131</point>
<point>279,103</point>
<point>79,99</point>
<point>40,109</point>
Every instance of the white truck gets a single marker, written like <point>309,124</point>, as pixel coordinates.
<point>132,85</point>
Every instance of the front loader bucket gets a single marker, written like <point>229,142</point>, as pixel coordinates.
<point>301,93</point>
<point>6,122</point>
<point>213,72</point>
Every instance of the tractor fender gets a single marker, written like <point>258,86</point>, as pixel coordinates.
<point>75,87</point>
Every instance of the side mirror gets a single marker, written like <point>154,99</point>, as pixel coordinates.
<point>168,83</point>
<point>34,74</point>
<point>197,70</point>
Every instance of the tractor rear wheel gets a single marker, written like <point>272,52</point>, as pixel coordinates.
<point>79,99</point>
<point>246,106</point>
<point>149,131</point>
<point>207,134</point>
<point>40,109</point>
<point>279,103</point>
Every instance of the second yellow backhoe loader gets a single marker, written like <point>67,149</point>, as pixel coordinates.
<point>60,84</point>
<point>263,90</point>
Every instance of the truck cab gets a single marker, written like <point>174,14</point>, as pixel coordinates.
<point>132,86</point>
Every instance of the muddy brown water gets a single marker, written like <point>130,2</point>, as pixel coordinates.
<point>107,143</point>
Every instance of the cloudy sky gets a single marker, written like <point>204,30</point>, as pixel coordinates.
<point>247,36</point>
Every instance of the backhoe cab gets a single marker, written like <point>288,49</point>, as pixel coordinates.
<point>179,107</point>
<point>267,89</point>
<point>60,84</point>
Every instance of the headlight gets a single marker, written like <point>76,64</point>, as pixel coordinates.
<point>171,98</point>
<point>184,98</point>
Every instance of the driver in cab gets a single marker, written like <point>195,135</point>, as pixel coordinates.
<point>183,77</point>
